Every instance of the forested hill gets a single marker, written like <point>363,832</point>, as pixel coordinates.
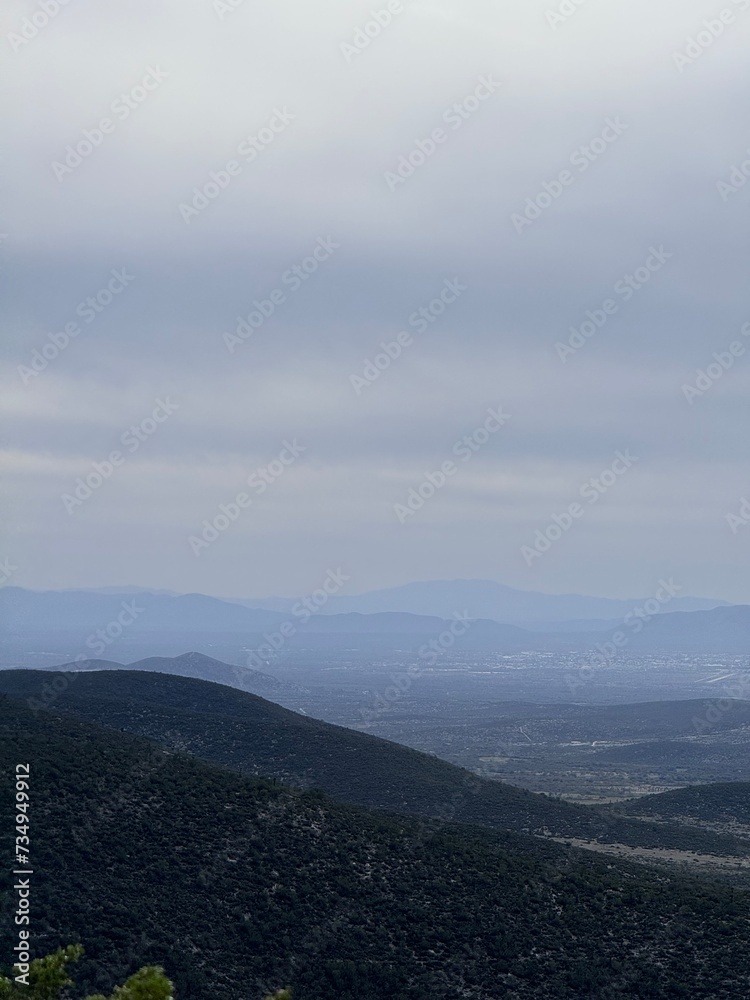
<point>239,886</point>
<point>725,803</point>
<point>257,737</point>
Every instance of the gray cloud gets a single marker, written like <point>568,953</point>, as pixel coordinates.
<point>323,176</point>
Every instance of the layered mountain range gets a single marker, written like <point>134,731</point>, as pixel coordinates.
<point>84,623</point>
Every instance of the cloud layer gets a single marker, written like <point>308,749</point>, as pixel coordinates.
<point>208,151</point>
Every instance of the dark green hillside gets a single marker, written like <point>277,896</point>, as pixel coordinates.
<point>256,737</point>
<point>238,887</point>
<point>726,803</point>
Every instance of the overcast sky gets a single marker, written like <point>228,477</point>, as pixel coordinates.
<point>317,124</point>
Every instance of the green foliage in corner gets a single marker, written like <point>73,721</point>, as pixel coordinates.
<point>48,977</point>
<point>149,983</point>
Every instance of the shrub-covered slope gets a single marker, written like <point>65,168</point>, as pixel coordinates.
<point>253,736</point>
<point>238,886</point>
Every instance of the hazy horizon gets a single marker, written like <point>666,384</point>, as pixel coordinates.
<point>346,591</point>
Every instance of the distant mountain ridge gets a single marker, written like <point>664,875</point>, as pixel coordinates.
<point>725,629</point>
<point>62,619</point>
<point>485,599</point>
<point>79,610</point>
<point>480,599</point>
<point>194,665</point>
